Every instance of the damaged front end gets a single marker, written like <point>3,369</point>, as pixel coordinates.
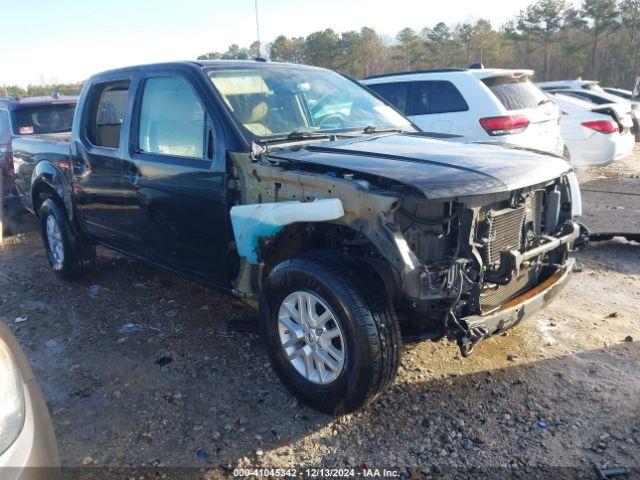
<point>464,267</point>
<point>489,261</point>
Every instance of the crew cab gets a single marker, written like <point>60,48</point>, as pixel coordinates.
<point>299,191</point>
<point>27,116</point>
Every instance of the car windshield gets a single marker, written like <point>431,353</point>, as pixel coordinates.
<point>275,102</point>
<point>43,119</point>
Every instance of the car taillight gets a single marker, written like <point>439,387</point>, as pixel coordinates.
<point>504,125</point>
<point>602,126</point>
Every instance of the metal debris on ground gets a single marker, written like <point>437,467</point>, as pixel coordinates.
<point>608,473</point>
<point>130,328</point>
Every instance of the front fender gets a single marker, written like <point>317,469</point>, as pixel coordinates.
<point>51,175</point>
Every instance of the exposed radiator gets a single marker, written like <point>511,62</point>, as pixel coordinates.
<point>504,233</point>
<point>536,200</point>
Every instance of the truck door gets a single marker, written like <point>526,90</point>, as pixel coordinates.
<point>100,196</point>
<point>178,181</point>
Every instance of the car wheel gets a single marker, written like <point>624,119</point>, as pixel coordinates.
<point>330,331</point>
<point>69,253</point>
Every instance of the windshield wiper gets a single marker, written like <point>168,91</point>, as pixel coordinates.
<point>295,135</point>
<point>374,129</point>
<point>543,101</point>
<point>301,135</point>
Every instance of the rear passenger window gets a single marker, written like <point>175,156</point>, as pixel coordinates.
<point>172,120</point>
<point>109,111</point>
<point>396,93</point>
<point>435,96</point>
<point>515,93</point>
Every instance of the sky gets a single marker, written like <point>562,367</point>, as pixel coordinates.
<point>68,40</point>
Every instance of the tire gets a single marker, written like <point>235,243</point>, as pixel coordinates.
<point>358,306</point>
<point>72,255</point>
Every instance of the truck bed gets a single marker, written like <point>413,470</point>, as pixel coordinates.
<point>50,142</point>
<point>29,150</point>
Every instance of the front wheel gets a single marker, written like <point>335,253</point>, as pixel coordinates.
<point>330,332</point>
<point>69,253</point>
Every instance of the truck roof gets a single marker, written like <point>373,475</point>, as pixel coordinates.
<point>258,63</point>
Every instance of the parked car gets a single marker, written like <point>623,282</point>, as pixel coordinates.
<point>28,116</point>
<point>594,135</point>
<point>621,92</point>
<point>297,190</point>
<point>487,105</point>
<point>27,439</point>
<point>600,97</point>
<point>577,84</point>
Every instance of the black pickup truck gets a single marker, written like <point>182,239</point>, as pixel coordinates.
<point>303,193</point>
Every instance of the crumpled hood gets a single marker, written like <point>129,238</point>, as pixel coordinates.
<point>437,168</point>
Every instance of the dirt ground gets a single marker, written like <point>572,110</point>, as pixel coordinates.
<point>140,367</point>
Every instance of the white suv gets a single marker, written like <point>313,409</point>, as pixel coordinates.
<point>488,105</point>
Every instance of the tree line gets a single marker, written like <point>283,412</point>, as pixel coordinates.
<point>599,40</point>
<point>41,90</point>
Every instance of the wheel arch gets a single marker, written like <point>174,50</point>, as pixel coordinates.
<point>47,181</point>
<point>302,238</point>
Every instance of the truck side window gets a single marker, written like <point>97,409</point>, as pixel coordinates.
<point>109,114</point>
<point>172,120</point>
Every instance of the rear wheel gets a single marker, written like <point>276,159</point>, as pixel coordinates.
<point>330,332</point>
<point>69,253</point>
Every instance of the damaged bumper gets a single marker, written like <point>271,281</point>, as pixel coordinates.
<point>521,307</point>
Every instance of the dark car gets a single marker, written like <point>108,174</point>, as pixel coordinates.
<point>28,116</point>
<point>299,191</point>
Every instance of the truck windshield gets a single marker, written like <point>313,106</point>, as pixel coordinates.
<point>43,119</point>
<point>271,102</point>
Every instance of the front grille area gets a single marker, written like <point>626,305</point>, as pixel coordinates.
<point>500,229</point>
<point>503,232</point>
<point>496,295</point>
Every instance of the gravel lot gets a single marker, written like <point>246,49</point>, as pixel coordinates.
<point>140,367</point>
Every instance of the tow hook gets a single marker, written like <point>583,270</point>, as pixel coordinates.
<point>467,341</point>
<point>466,346</point>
